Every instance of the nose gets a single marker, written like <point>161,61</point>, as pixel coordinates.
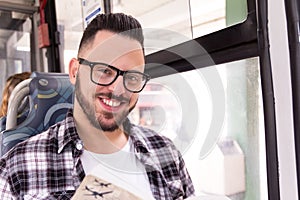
<point>117,86</point>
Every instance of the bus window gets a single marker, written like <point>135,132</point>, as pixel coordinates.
<point>15,52</point>
<point>170,22</point>
<point>191,18</point>
<point>225,153</point>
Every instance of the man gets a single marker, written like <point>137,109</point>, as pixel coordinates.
<point>96,137</point>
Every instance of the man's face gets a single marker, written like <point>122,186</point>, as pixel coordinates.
<point>106,107</point>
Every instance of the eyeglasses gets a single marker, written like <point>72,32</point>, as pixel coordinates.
<point>104,74</point>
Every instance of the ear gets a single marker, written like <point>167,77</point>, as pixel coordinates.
<point>73,70</point>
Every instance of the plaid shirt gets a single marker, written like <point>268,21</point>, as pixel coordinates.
<point>48,165</point>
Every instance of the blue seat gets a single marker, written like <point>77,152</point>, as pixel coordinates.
<point>20,119</point>
<point>50,96</point>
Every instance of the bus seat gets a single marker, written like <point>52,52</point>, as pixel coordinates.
<point>50,96</point>
<point>20,118</point>
<point>21,91</point>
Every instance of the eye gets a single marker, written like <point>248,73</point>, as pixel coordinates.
<point>104,70</point>
<point>134,78</point>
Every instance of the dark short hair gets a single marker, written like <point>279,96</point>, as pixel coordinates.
<point>115,22</point>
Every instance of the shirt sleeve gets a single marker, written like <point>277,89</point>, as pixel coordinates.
<point>5,191</point>
<point>186,181</point>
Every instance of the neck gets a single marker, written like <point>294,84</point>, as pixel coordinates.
<point>96,140</point>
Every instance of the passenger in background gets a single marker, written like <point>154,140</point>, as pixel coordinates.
<point>96,150</point>
<point>11,83</point>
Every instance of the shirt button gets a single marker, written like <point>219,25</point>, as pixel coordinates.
<point>79,145</point>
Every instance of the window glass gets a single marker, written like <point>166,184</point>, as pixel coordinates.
<point>214,116</point>
<point>70,23</point>
<point>214,15</point>
<point>15,30</point>
<point>167,22</point>
<point>191,18</point>
<point>161,30</point>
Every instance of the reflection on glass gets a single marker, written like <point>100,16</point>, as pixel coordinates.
<point>214,116</point>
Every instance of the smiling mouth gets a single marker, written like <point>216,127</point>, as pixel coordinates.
<point>111,102</point>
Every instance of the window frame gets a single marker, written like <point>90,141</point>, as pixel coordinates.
<point>292,8</point>
<point>244,40</point>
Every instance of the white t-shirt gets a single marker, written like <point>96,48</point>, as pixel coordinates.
<point>121,168</point>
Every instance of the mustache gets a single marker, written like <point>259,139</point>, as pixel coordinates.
<point>113,96</point>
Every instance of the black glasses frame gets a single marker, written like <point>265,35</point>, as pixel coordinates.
<point>83,61</point>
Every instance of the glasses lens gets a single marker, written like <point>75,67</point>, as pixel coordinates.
<point>103,74</point>
<point>134,81</point>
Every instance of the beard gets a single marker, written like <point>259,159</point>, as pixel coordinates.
<point>100,121</point>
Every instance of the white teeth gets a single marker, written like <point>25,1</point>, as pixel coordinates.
<point>111,103</point>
